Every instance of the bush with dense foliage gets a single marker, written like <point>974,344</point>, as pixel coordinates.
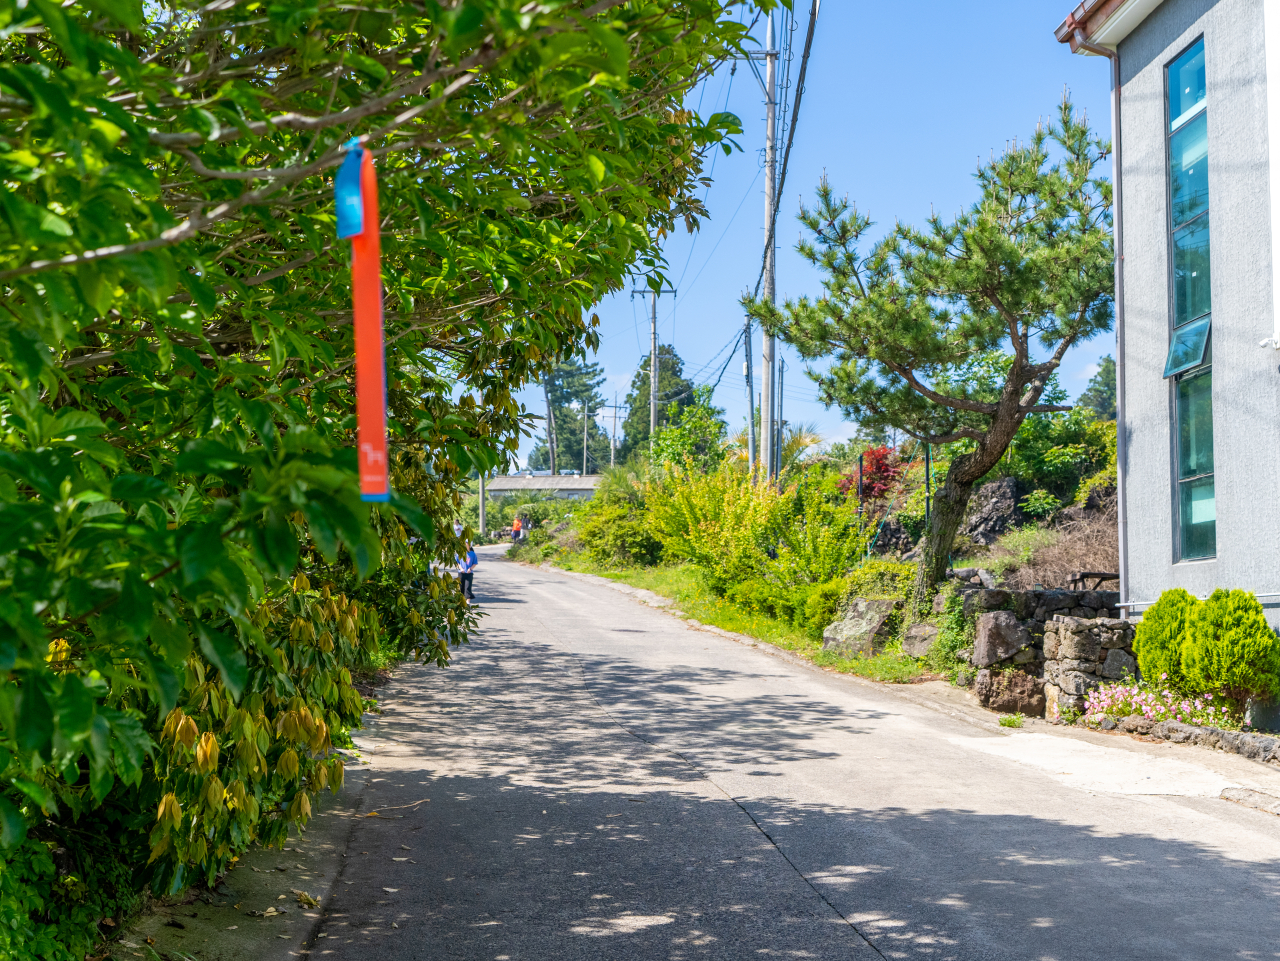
<point>1158,638</point>
<point>1230,649</point>
<point>188,576</point>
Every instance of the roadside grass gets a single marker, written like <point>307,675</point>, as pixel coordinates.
<point>681,584</point>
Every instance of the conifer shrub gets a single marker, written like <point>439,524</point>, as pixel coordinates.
<point>1158,639</point>
<point>1229,648</point>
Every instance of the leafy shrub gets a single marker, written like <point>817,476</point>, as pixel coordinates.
<point>955,633</point>
<point>821,537</point>
<point>1158,639</point>
<point>1040,503</point>
<point>614,532</point>
<point>723,522</point>
<point>884,579</point>
<point>881,469</point>
<point>1230,649</point>
<point>1012,720</point>
<point>694,436</point>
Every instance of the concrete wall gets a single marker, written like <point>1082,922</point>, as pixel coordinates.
<point>1246,385</point>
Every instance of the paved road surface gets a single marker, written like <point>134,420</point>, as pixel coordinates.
<point>606,782</point>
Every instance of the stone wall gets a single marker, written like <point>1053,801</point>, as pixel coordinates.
<point>1080,654</point>
<point>1011,635</point>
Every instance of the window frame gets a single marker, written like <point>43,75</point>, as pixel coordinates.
<point>1173,379</point>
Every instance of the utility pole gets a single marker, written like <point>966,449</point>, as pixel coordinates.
<point>767,426</point>
<point>586,419</point>
<point>613,441</point>
<point>551,428</point>
<point>751,398</point>
<point>653,369</point>
<point>653,359</point>
<point>782,369</point>
<point>483,536</point>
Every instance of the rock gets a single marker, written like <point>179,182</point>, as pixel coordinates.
<point>1078,646</point>
<point>1084,667</point>
<point>919,638</point>
<point>1076,683</point>
<point>862,629</point>
<point>1092,599</point>
<point>1050,640</point>
<point>965,654</point>
<point>993,509</point>
<point>987,579</point>
<point>1010,692</point>
<point>1175,731</point>
<point>1108,598</point>
<point>1000,636</point>
<point>960,573</point>
<point>1025,656</point>
<point>1107,723</point>
<point>939,600</point>
<point>1115,640</point>
<point>893,538</point>
<point>1136,724</point>
<point>1118,664</point>
<point>1083,612</point>
<point>985,600</point>
<point>1058,702</point>
<point>1053,601</point>
<point>1024,605</point>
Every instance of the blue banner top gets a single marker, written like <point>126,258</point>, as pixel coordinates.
<point>347,195</point>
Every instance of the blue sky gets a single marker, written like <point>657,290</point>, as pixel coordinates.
<point>902,102</point>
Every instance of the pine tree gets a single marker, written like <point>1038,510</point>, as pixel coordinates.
<point>673,387</point>
<point>573,386</point>
<point>1100,394</point>
<point>1030,265</point>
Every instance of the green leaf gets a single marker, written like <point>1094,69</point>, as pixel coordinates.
<point>100,776</point>
<point>132,744</point>
<point>172,638</point>
<point>126,12</point>
<point>415,517</point>
<point>139,488</point>
<point>276,543</point>
<point>224,653</point>
<point>75,709</point>
<point>200,551</point>
<point>35,715</point>
<point>13,826</point>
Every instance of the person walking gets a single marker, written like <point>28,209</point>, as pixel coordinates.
<point>516,526</point>
<point>467,572</point>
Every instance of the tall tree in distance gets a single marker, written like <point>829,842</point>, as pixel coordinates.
<point>1100,394</point>
<point>1028,268</point>
<point>673,388</point>
<point>574,389</point>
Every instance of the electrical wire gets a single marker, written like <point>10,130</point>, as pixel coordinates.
<point>786,156</point>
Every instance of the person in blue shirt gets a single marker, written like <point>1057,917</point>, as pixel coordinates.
<point>467,565</point>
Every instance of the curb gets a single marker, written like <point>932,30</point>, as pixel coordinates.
<point>1252,799</point>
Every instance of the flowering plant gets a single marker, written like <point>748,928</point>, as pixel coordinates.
<point>1158,703</point>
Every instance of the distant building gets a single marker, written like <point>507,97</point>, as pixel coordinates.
<point>1198,321</point>
<point>573,486</point>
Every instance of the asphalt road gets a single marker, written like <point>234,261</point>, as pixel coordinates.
<point>605,781</point>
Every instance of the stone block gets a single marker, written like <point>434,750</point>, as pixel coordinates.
<point>960,573</point>
<point>1083,612</point>
<point>1114,640</point>
<point>987,579</point>
<point>985,600</point>
<point>1050,642</point>
<point>1025,656</point>
<point>1024,604</point>
<point>1057,702</point>
<point>862,630</point>
<point>1077,645</point>
<point>1136,724</point>
<point>1058,600</point>
<point>1076,683</point>
<point>1070,664</point>
<point>1010,691</point>
<point>1175,731</point>
<point>1118,664</point>
<point>1108,598</point>
<point>999,636</point>
<point>939,600</point>
<point>1092,599</point>
<point>919,638</point>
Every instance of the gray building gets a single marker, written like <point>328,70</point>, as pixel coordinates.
<point>1198,308</point>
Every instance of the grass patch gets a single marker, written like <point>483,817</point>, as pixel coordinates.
<point>682,584</point>
<point>1012,720</point>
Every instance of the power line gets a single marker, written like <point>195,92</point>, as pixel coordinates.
<point>795,116</point>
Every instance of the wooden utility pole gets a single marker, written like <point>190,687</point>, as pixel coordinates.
<point>551,428</point>
<point>586,419</point>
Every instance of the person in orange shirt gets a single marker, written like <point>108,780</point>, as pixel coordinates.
<point>516,526</point>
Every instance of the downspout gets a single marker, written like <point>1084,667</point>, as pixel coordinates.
<point>1118,228</point>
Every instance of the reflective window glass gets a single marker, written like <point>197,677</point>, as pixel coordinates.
<point>1199,516</point>
<point>1195,425</point>
<point>1186,86</point>
<point>1189,170</point>
<point>1191,298</point>
<point>1187,349</point>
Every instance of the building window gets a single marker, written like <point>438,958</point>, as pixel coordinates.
<point>1190,344</point>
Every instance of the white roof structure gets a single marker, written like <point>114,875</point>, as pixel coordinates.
<point>559,483</point>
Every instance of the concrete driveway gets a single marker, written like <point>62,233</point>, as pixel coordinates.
<point>593,778</point>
